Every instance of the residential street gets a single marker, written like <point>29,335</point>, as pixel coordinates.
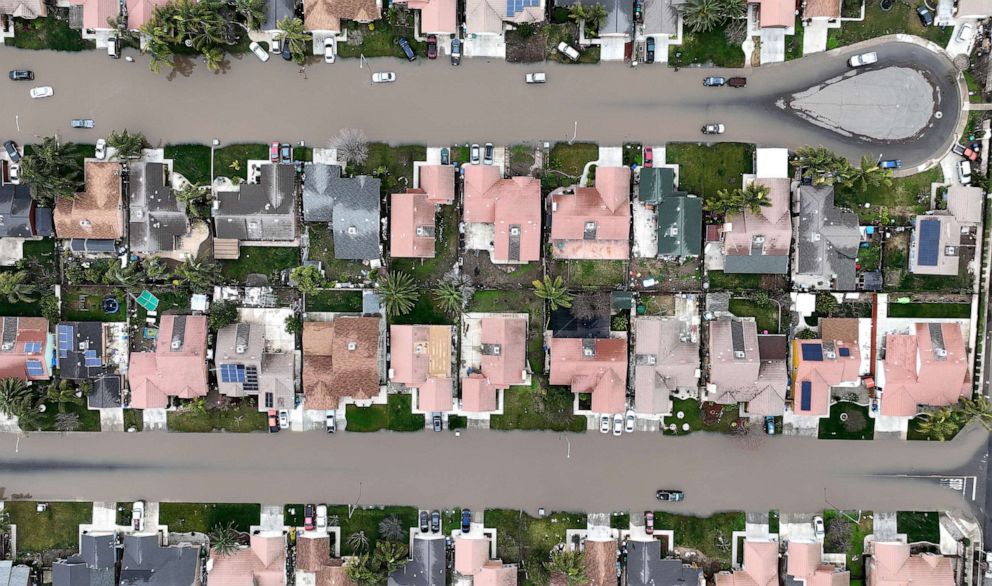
<point>434,103</point>
<point>491,469</point>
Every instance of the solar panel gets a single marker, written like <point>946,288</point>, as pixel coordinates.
<point>91,360</point>
<point>32,347</point>
<point>34,368</point>
<point>232,373</point>
<point>806,396</point>
<point>812,352</point>
<point>929,246</point>
<point>64,340</point>
<point>509,7</point>
<point>845,352</point>
<point>251,380</point>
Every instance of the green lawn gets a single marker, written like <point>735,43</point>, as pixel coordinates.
<point>202,518</point>
<point>572,158</point>
<point>232,161</point>
<point>733,281</point>
<point>42,250</point>
<point>974,88</point>
<point>919,526</point>
<point>424,312</point>
<point>55,528</point>
<point>48,33</point>
<point>381,42</point>
<point>704,170</point>
<point>707,48</point>
<point>393,165</point>
<point>446,251</point>
<point>395,416</point>
<point>192,161</point>
<point>526,541</point>
<point>265,260</point>
<point>855,546</point>
<point>322,249</point>
<point>88,420</point>
<point>538,408</point>
<point>243,417</point>
<point>593,273</point>
<point>366,520</point>
<point>930,310</point>
<point>794,43</point>
<point>902,198</point>
<point>331,300</point>
<point>859,426</point>
<point>76,308</point>
<point>901,18</point>
<point>693,415</point>
<point>702,532</point>
<point>134,418</point>
<point>766,316</point>
<point>25,309</point>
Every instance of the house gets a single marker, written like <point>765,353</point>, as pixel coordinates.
<point>262,212</point>
<point>474,554</point>
<point>662,17</point>
<point>666,361</point>
<point>148,563</point>
<point>158,221</point>
<point>176,368</point>
<point>140,12</point>
<point>776,13</point>
<point>760,243</point>
<point>20,216</point>
<point>421,360</point>
<point>564,324</point>
<point>646,567</point>
<point>19,575</point>
<point>489,17</point>
<point>341,361</point>
<point>678,215</point>
<point>325,16</point>
<point>435,180</point>
<point>349,204</point>
<point>746,367</point>
<point>936,245</point>
<point>600,558</point>
<point>314,564</point>
<point>594,366</point>
<point>411,221</point>
<point>619,19</point>
<point>87,351</point>
<point>502,216</point>
<point>262,563</point>
<point>978,9</point>
<point>828,10</point>
<point>593,222</point>
<point>96,214</point>
<point>928,367</point>
<point>245,366</point>
<point>893,563</point>
<point>95,565</point>
<point>820,365</point>
<point>805,566</point>
<point>494,356</point>
<point>26,9</point>
<point>427,566</point>
<point>964,202</point>
<point>827,242</point>
<point>437,17</point>
<point>760,567</point>
<point>24,348</point>
<point>93,15</point>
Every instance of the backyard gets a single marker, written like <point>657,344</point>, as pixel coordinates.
<point>394,416</point>
<point>87,304</point>
<point>706,169</point>
<point>170,300</point>
<point>264,260</point>
<point>719,280</point>
<point>202,518</point>
<point>901,18</point>
<point>56,528</point>
<point>765,314</point>
<point>331,300</point>
<point>847,421</point>
<point>596,274</point>
<point>241,417</point>
<point>424,312</point>
<point>527,541</point>
<point>930,310</point>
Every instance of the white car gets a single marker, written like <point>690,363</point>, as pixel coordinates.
<point>474,154</point>
<point>383,77</point>
<point>101,149</point>
<point>964,33</point>
<point>329,50</point>
<point>629,421</point>
<point>330,421</point>
<point>964,172</point>
<point>15,173</point>
<point>258,51</point>
<point>322,518</point>
<point>863,59</point>
<point>138,516</point>
<point>283,419</point>
<point>568,51</point>
<point>818,528</point>
<point>714,128</point>
<point>44,91</point>
<point>537,77</point>
<point>617,425</point>
<point>604,424</point>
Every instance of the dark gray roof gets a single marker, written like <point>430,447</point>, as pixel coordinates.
<point>157,218</point>
<point>828,237</point>
<point>94,566</point>
<point>106,393</point>
<point>756,264</point>
<point>44,223</point>
<point>259,211</point>
<point>661,17</point>
<point>98,550</point>
<point>351,204</point>
<point>82,337</point>
<point>871,281</point>
<point>680,226</point>
<point>276,10</point>
<point>15,210</point>
<point>11,575</point>
<point>91,245</point>
<point>426,568</point>
<point>645,567</point>
<point>566,325</point>
<point>619,14</point>
<point>147,562</point>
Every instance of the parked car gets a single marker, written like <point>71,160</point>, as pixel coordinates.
<point>965,32</point>
<point>283,419</point>
<point>432,46</point>
<point>648,522</point>
<point>285,153</point>
<point>673,496</point>
<point>407,49</point>
<point>44,91</point>
<point>770,425</point>
<point>474,154</point>
<point>286,54</point>
<point>536,77</point>
<point>425,522</point>
<point>487,157</point>
<point>435,521</point>
<point>466,520</point>
<point>436,422</point>
<point>330,421</point>
<point>14,174</point>
<point>276,45</point>
<point>648,156</point>
<point>863,59</point>
<point>114,47</point>
<point>737,81</point>
<point>568,51</point>
<point>639,11</point>
<point>138,516</point>
<point>964,172</point>
<point>258,51</point>
<point>329,50</point>
<point>273,421</point>
<point>11,148</point>
<point>383,77</point>
<point>321,517</point>
<point>308,512</point>
<point>21,75</point>
<point>714,81</point>
<point>274,151</point>
<point>926,17</point>
<point>629,421</point>
<point>818,527</point>
<point>960,149</point>
<point>456,51</point>
<point>890,164</point>
<point>649,50</point>
<point>445,156</point>
<point>604,424</point>
<point>101,149</point>
<point>713,128</point>
<point>617,424</point>
<point>81,123</point>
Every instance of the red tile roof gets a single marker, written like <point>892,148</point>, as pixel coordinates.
<point>777,13</point>
<point>917,372</point>
<point>140,11</point>
<point>340,359</point>
<point>96,12</point>
<point>506,366</point>
<point>600,561</point>
<point>156,376</point>
<point>774,222</point>
<point>478,394</point>
<point>419,352</point>
<point>437,181</point>
<point>494,573</point>
<point>313,556</point>
<point>408,212</point>
<point>805,562</point>
<point>13,362</point>
<point>607,206</point>
<point>436,16</point>
<point>471,554</point>
<point>760,566</point>
<point>892,565</point>
<point>507,204</point>
<point>749,378</point>
<point>822,9</point>
<point>823,374</point>
<point>98,211</point>
<point>436,394</point>
<point>604,374</point>
<point>261,564</point>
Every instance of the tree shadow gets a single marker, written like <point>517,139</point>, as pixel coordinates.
<point>181,65</point>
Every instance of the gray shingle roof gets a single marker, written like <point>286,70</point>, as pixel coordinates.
<point>157,219</point>
<point>94,566</point>
<point>11,575</point>
<point>146,562</point>
<point>828,237</point>
<point>756,264</point>
<point>680,226</point>
<point>351,204</point>
<point>260,211</point>
<point>426,568</point>
<point>645,567</point>
<point>276,10</point>
<point>15,210</point>
<point>661,17</point>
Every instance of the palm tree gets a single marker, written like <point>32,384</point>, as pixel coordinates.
<point>450,296</point>
<point>127,145</point>
<point>15,288</point>
<point>940,424</point>
<point>214,58</point>
<point>198,274</point>
<point>62,393</point>
<point>577,12</point>
<point>128,276</point>
<point>390,556</point>
<point>391,528</point>
<point>723,203</point>
<point>294,33</point>
<point>195,198</point>
<point>733,8</point>
<point>358,541</point>
<point>553,291</point>
<point>398,293</point>
<point>224,539</point>
<point>751,199</point>
<point>252,11</point>
<point>595,16</point>
<point>13,391</point>
<point>822,166</point>
<point>51,170</point>
<point>360,570</point>
<point>701,16</point>
<point>157,48</point>
<point>978,408</point>
<point>155,269</point>
<point>868,174</point>
<point>570,564</point>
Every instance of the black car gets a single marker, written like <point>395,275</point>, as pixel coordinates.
<point>285,153</point>
<point>436,422</point>
<point>407,49</point>
<point>435,521</point>
<point>11,148</point>
<point>21,75</point>
<point>286,53</point>
<point>650,50</point>
<point>926,17</point>
<point>669,495</point>
<point>425,523</point>
<point>466,520</point>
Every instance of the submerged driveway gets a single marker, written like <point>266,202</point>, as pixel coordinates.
<point>482,100</point>
<point>481,469</point>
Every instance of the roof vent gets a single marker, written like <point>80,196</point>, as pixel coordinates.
<point>240,349</point>
<point>7,346</point>
<point>815,237</point>
<point>85,223</point>
<point>352,346</point>
<point>759,239</point>
<point>514,231</point>
<point>739,354</point>
<point>177,344</point>
<point>830,354</point>
<point>352,230</point>
<point>941,352</point>
<point>674,231</point>
<point>418,349</point>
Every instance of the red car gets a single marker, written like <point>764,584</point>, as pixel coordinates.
<point>648,156</point>
<point>273,421</point>
<point>308,518</point>
<point>274,152</point>
<point>649,522</point>
<point>432,46</point>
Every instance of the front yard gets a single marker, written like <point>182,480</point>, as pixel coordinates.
<point>393,165</point>
<point>705,417</point>
<point>394,416</point>
<point>89,420</point>
<point>232,161</point>
<point>56,528</point>
<point>50,32</point>
<point>709,48</point>
<point>242,417</point>
<point>847,421</point>
<point>263,260</point>
<point>538,408</point>
<point>906,196</point>
<point>192,161</point>
<point>565,164</point>
<point>704,534</point>
<point>848,537</point>
<point>706,169</point>
<point>919,526</point>
<point>202,518</point>
<point>366,521</point>
<point>87,304</point>
<point>901,18</point>
<point>380,39</point>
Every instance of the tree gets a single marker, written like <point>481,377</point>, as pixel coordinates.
<point>701,16</point>
<point>360,570</point>
<point>391,528</point>
<point>294,33</point>
<point>391,555</point>
<point>570,564</point>
<point>198,274</point>
<point>62,393</point>
<point>753,197</point>
<point>939,425</point>
<point>450,296</point>
<point>591,305</point>
<point>591,16</point>
<point>222,314</point>
<point>51,170</point>
<point>129,276</point>
<point>577,12</point>
<point>723,202</point>
<point>307,279</point>
<point>978,408</point>
<point>373,570</point>
<point>294,324</point>
<point>13,391</point>
<point>67,422</point>
<point>826,304</point>
<point>822,166</point>
<point>224,539</point>
<point>807,334</point>
<point>733,9</point>
<point>155,269</point>
<point>252,12</point>
<point>398,292</point>
<point>869,174</point>
<point>196,198</point>
<point>352,146</point>
<point>127,145</point>
<point>15,288</point>
<point>553,291</point>
<point>358,541</point>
